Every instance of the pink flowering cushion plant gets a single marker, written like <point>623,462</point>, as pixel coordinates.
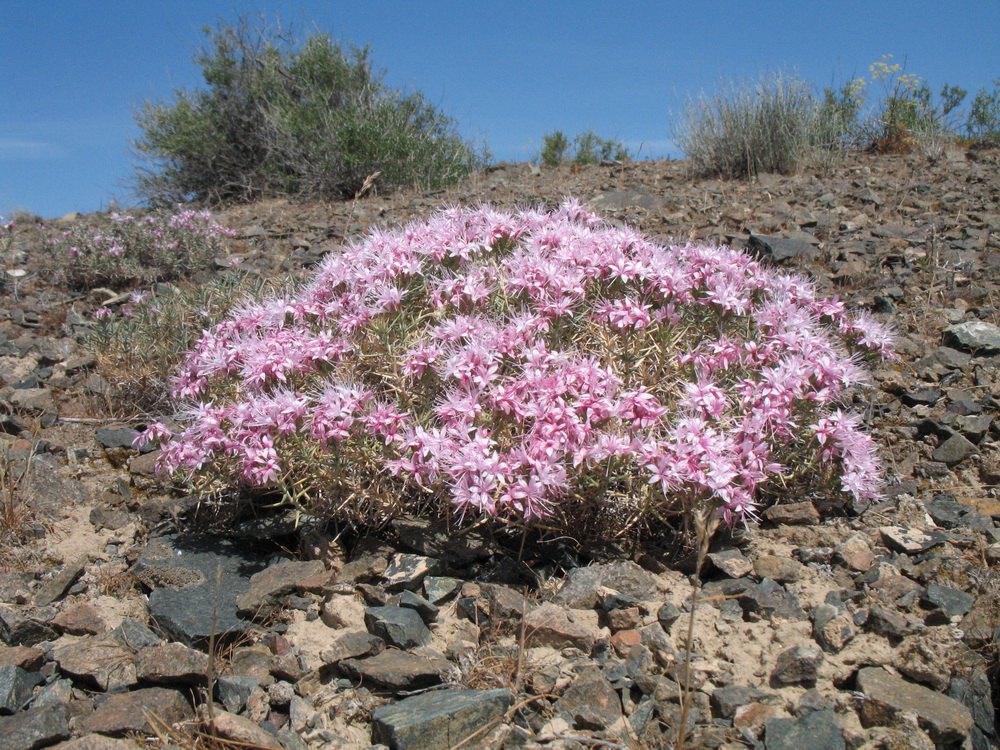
<point>539,367</point>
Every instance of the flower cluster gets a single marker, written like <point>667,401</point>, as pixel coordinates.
<point>523,365</point>
<point>132,249</point>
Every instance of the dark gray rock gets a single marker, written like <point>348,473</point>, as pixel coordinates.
<point>797,666</point>
<point>438,720</point>
<point>580,589</point>
<point>889,623</point>
<point>16,686</point>
<point>34,728</point>
<point>781,249</point>
<point>923,396</point>
<point>725,701</point>
<point>946,511</point>
<point>817,730</point>
<point>953,602</point>
<point>954,450</point>
<point>887,697</point>
<point>770,599</point>
<point>233,691</point>
<point>196,581</point>
<point>427,611</point>
<point>668,614</point>
<point>590,702</point>
<point>976,336</point>
<point>396,670</point>
<point>135,635</point>
<point>438,589</point>
<point>397,626</point>
<point>120,438</point>
<point>975,694</point>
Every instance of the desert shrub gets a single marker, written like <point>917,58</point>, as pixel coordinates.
<point>286,116</point>
<point>748,127</point>
<point>140,344</point>
<point>901,110</point>
<point>531,367</point>
<point>554,148</point>
<point>982,124</point>
<point>133,249</point>
<point>588,148</point>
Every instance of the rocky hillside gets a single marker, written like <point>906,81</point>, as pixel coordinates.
<point>126,604</point>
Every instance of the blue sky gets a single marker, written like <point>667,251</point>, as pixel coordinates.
<point>72,72</point>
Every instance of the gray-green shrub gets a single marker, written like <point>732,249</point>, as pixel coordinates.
<point>747,127</point>
<point>283,116</point>
<point>587,148</point>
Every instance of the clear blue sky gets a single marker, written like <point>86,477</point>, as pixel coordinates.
<point>72,72</point>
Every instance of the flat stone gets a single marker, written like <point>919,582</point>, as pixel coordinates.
<point>171,663</point>
<point>397,626</point>
<point>439,589</point>
<point>354,645</point>
<point>235,690</point>
<point>36,400</point>
<point>428,612</point>
<point>242,730</point>
<point>888,622</point>
<point>770,599</point>
<point>34,728</point>
<point>780,249</point>
<point>781,569</point>
<point>946,511</point>
<point>269,586</point>
<point>910,541</point>
<point>56,586</point>
<point>954,450</point>
<point>581,587</point>
<point>196,581</point>
<point>80,619</point>
<point>726,701</point>
<point>887,697</point>
<point>796,666</point>
<point>952,601</point>
<point>817,730</point>
<point>558,627</point>
<point>732,562</point>
<point>438,720</point>
<point>16,687</point>
<point>125,713</point>
<point>27,658</point>
<point>438,540</point>
<point>976,336</point>
<point>397,670</point>
<point>590,702</point>
<point>97,742</point>
<point>793,514</point>
<point>123,437</point>
<point>406,571</point>
<point>974,693</point>
<point>103,661</point>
